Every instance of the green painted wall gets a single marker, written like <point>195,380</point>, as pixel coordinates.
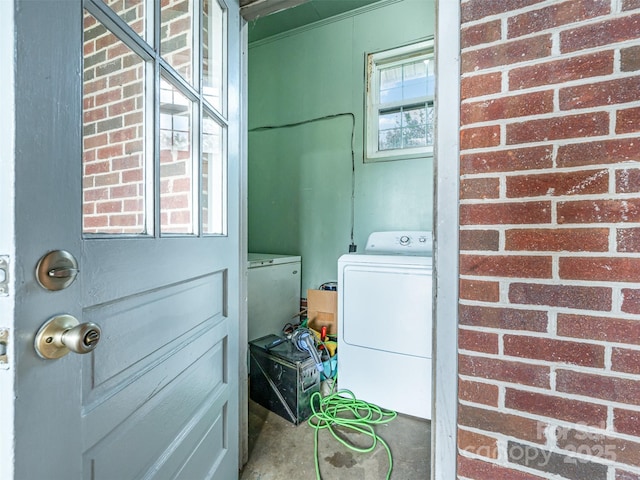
<point>301,176</point>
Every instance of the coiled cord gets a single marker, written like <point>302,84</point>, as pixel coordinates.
<point>343,409</point>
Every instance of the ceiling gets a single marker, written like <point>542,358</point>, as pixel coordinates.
<point>293,16</point>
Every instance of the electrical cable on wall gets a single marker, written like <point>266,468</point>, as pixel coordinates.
<point>352,246</point>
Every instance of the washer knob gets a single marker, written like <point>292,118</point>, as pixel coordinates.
<point>404,240</point>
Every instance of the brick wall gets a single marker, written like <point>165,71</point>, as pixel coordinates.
<point>549,336</point>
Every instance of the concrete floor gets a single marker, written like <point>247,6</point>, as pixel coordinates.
<point>279,450</point>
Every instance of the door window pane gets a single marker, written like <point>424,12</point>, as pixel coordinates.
<point>176,36</point>
<point>212,47</point>
<point>113,134</point>
<point>176,165</point>
<point>213,177</point>
<point>132,12</point>
<point>141,177</point>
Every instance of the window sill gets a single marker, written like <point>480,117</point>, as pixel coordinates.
<point>397,155</point>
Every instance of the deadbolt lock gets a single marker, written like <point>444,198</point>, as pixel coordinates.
<point>63,334</point>
<point>57,270</point>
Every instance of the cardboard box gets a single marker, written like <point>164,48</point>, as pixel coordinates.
<point>322,310</point>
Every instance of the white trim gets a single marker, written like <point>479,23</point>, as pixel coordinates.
<point>243,382</point>
<point>7,233</point>
<point>446,221</point>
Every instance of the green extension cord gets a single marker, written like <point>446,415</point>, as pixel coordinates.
<point>345,410</point>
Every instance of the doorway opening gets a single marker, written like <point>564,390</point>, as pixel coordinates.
<point>384,192</point>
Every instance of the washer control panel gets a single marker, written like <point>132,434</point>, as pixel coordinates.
<point>418,242</point>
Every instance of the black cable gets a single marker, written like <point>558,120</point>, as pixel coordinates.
<point>353,154</point>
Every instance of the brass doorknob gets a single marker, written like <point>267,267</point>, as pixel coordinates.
<point>63,334</point>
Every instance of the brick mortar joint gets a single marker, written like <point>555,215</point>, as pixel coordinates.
<point>553,367</point>
<point>560,143</point>
<point>552,203</point>
<point>549,253</point>
<point>508,14</point>
<point>612,169</point>
<point>604,315</point>
<point>507,68</point>
<point>517,11</point>
<point>608,346</point>
<point>555,88</point>
<point>546,422</point>
<point>552,115</point>
<point>614,286</point>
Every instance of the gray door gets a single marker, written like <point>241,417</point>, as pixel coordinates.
<point>126,156</point>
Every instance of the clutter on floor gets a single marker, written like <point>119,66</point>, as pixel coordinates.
<point>282,377</point>
<point>293,374</point>
<point>286,369</point>
<point>280,450</point>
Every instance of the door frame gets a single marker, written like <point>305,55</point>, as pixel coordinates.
<point>7,230</point>
<point>446,227</point>
<point>243,381</point>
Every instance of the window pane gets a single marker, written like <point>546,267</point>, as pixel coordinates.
<point>212,58</point>
<point>430,123</point>
<point>406,82</point>
<point>390,139</point>
<point>431,77</point>
<point>413,117</point>
<point>391,84</point>
<point>176,175</point>
<point>414,136</point>
<point>405,128</point>
<point>113,129</point>
<point>414,80</point>
<point>213,177</point>
<point>389,120</point>
<point>176,36</point>
<point>132,12</point>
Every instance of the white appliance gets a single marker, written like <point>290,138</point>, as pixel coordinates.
<point>385,322</point>
<point>273,292</point>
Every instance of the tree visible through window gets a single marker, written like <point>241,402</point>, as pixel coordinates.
<point>400,93</point>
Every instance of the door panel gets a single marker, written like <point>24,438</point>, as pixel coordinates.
<point>158,397</point>
<point>140,328</point>
<point>183,410</point>
<point>104,407</point>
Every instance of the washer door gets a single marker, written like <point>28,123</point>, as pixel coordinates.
<point>388,308</point>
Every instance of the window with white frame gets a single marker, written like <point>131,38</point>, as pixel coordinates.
<point>399,103</point>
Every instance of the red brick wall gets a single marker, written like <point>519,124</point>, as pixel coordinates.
<point>549,337</point>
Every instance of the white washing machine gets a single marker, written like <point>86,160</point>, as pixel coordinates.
<point>385,322</point>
